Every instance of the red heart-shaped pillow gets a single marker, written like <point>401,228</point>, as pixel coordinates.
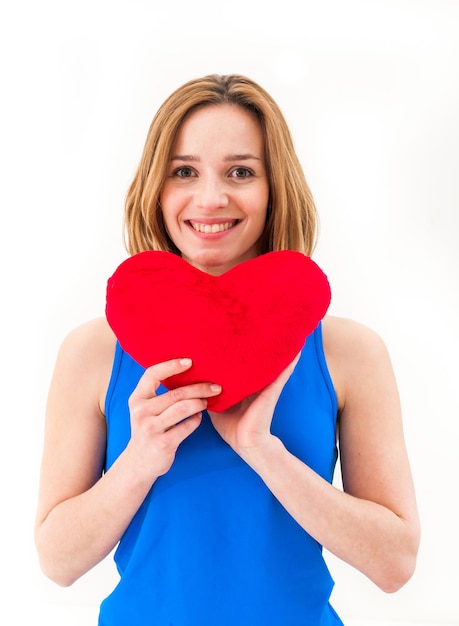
<point>241,329</point>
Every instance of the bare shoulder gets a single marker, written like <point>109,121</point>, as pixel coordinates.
<point>75,431</point>
<point>352,351</point>
<point>373,456</point>
<point>86,354</point>
<point>95,334</point>
<point>341,333</point>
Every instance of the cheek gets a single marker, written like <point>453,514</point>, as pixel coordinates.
<point>168,210</point>
<point>260,205</point>
<point>260,215</point>
<point>169,224</point>
<point>172,202</point>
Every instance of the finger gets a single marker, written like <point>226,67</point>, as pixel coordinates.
<point>289,369</point>
<point>177,412</point>
<point>150,380</point>
<point>180,425</point>
<point>197,390</point>
<point>283,377</point>
<point>181,431</point>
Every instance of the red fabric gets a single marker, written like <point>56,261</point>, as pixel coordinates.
<point>241,329</point>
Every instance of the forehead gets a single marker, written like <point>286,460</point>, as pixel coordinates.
<point>220,124</point>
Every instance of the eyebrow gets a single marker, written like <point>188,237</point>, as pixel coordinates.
<point>228,158</point>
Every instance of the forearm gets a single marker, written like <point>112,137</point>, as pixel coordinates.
<point>367,535</point>
<point>80,531</point>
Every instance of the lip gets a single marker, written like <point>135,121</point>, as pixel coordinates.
<point>212,226</point>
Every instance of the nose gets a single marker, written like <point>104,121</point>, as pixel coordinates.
<point>210,193</point>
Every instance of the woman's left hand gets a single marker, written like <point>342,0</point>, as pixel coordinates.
<point>247,425</point>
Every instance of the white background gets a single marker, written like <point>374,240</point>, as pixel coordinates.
<point>370,90</point>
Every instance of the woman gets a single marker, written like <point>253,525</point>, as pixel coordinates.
<point>220,517</point>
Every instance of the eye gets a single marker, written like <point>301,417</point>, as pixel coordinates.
<point>241,172</point>
<point>184,172</point>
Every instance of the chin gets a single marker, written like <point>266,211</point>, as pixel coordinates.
<point>211,262</point>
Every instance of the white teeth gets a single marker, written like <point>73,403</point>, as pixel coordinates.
<point>212,228</point>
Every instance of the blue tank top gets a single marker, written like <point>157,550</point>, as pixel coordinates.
<point>211,545</point>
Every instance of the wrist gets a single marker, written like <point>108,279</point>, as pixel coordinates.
<point>263,454</point>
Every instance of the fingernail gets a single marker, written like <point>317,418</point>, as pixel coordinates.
<point>215,388</point>
<point>185,362</point>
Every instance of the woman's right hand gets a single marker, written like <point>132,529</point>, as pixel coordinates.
<point>83,510</point>
<point>159,423</point>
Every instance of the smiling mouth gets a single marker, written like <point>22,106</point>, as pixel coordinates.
<point>213,228</point>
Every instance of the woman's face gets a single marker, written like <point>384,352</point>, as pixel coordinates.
<point>215,198</point>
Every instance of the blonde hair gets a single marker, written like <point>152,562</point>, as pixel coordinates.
<point>292,219</point>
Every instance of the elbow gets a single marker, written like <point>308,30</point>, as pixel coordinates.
<point>54,566</point>
<point>400,567</point>
<point>397,575</point>
<point>56,574</point>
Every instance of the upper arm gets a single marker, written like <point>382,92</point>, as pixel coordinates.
<point>373,454</point>
<point>75,431</point>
